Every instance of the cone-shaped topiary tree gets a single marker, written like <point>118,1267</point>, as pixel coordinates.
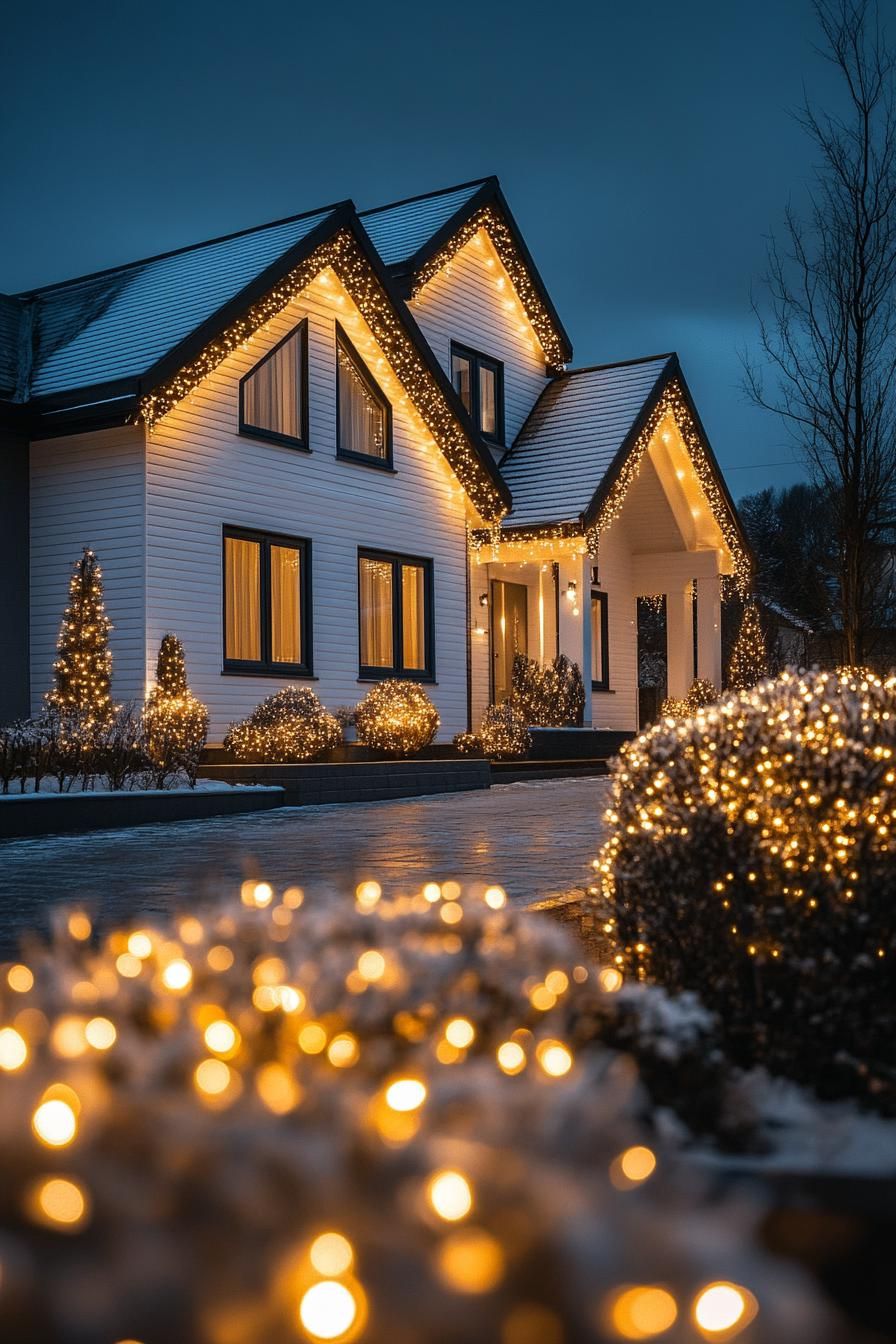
<point>171,667</point>
<point>82,671</point>
<point>175,722</point>
<point>749,661</point>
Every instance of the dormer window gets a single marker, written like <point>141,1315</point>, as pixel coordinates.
<point>274,395</point>
<point>479,382</point>
<point>363,415</point>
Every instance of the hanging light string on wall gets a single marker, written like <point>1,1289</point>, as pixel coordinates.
<point>346,258</point>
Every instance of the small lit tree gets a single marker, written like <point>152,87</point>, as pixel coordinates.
<point>749,661</point>
<point>82,671</point>
<point>175,722</point>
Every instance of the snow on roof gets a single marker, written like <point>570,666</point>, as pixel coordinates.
<point>399,231</point>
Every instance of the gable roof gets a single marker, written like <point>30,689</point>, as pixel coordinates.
<point>573,436</point>
<point>401,230</point>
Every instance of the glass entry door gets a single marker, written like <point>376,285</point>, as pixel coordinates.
<point>510,628</point>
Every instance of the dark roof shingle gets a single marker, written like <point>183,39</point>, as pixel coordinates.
<point>399,231</point>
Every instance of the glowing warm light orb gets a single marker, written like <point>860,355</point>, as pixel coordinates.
<point>460,1032</point>
<point>212,1077</point>
<point>720,1307</point>
<point>327,1310</point>
<point>450,1195</point>
<point>643,1312</point>
<point>632,1166</point>
<point>59,1200</point>
<point>406,1094</point>
<point>470,1261</point>
<point>19,978</point>
<point>452,913</point>
<point>79,926</point>
<point>542,999</point>
<point>557,982</point>
<point>554,1058</point>
<point>343,1050</point>
<point>262,894</point>
<point>128,965</point>
<point>140,945</point>
<point>219,957</point>
<point>277,1088</point>
<point>367,894</point>
<point>55,1123</point>
<point>511,1057</point>
<point>312,1038</point>
<point>13,1050</point>
<point>372,965</point>
<point>177,974</point>
<point>100,1033</point>
<point>331,1254</point>
<point>222,1037</point>
<point>433,892</point>
<point>68,1037</point>
<point>495,897</point>
<point>610,979</point>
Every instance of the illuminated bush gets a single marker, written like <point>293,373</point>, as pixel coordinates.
<point>468,744</point>
<point>504,732</point>
<point>396,717</point>
<point>175,722</point>
<point>701,694</point>
<point>674,709</point>
<point>291,725</point>
<point>549,695</point>
<point>752,860</point>
<point>394,1117</point>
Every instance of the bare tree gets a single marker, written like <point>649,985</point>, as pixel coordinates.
<point>829,331</point>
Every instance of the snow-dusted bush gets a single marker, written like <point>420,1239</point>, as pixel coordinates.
<point>753,859</point>
<point>423,1080</point>
<point>15,753</point>
<point>468,744</point>
<point>291,725</point>
<point>549,695</point>
<point>504,731</point>
<point>175,722</point>
<point>396,717</point>
<point>118,753</point>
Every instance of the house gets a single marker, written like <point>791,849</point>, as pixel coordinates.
<point>344,446</point>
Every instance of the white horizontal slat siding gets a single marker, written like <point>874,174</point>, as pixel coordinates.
<point>618,708</point>
<point>88,490</point>
<point>463,302</point>
<point>201,475</point>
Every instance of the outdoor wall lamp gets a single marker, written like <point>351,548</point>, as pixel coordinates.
<point>571,589</point>
<point>483,599</point>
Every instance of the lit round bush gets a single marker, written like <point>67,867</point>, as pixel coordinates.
<point>291,725</point>
<point>396,717</point>
<point>752,858</point>
<point>504,732</point>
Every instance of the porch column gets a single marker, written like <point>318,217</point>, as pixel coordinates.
<point>575,616</point>
<point>709,631</point>
<point>585,661</point>
<point>679,640</point>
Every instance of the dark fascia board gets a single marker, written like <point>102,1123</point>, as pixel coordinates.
<point>489,193</point>
<point>434,368</point>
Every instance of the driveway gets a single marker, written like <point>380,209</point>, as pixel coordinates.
<point>536,839</point>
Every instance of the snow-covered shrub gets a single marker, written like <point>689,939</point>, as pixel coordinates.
<point>504,731</point>
<point>422,1080</point>
<point>118,753</point>
<point>468,744</point>
<point>291,725</point>
<point>175,722</point>
<point>549,695</point>
<point>753,859</point>
<point>15,754</point>
<point>396,717</point>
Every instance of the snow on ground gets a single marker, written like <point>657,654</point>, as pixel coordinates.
<point>98,785</point>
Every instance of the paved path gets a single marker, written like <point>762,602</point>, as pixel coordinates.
<point>536,839</point>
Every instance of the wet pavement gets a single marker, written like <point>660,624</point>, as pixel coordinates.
<point>537,840</point>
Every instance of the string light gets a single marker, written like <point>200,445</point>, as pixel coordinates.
<point>175,722</point>
<point>290,725</point>
<point>82,671</point>
<point>396,717</point>
<point>749,660</point>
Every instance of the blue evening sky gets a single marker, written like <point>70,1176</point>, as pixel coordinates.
<point>646,149</point>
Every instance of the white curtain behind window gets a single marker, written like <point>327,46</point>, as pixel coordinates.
<point>597,639</point>
<point>488,405</point>
<point>376,613</point>
<point>286,639</point>
<point>412,618</point>
<point>362,421</point>
<point>242,568</point>
<point>272,393</point>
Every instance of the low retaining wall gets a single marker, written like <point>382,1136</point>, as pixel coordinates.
<point>359,781</point>
<point>570,744</point>
<point>54,813</point>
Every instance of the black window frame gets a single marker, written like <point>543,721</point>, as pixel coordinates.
<point>272,435</point>
<point>601,683</point>
<point>265,666</point>
<point>478,359</point>
<point>373,387</point>
<point>397,559</point>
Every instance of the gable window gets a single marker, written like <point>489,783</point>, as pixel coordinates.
<point>363,415</point>
<point>267,603</point>
<point>479,382</point>
<point>395,615</point>
<point>600,652</point>
<point>274,395</point>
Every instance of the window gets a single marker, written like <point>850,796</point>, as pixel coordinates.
<point>395,615</point>
<point>267,603</point>
<point>274,395</point>
<point>363,415</point>
<point>600,653</point>
<point>479,382</point>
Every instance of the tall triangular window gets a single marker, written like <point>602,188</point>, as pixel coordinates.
<point>274,396</point>
<point>363,415</point>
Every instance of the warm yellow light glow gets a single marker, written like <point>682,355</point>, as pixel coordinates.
<point>495,897</point>
<point>470,1261</point>
<point>452,913</point>
<point>460,1032</point>
<point>450,1195</point>
<point>293,897</point>
<point>331,1254</point>
<point>433,892</point>
<point>140,945</point>
<point>312,1038</point>
<point>212,1077</point>
<point>100,1033</point>
<point>643,1312</point>
<point>219,957</point>
<point>511,1057</point>
<point>632,1166</point>
<point>554,1058</point>
<point>177,975</point>
<point>406,1094</point>
<point>55,1123</point>
<point>328,1310</point>
<point>367,894</point>
<point>222,1038</point>
<point>79,926</point>
<point>277,1088</point>
<point>610,979</point>
<point>722,1309</point>
<point>58,1201</point>
<point>13,1050</point>
<point>343,1050</point>
<point>372,965</point>
<point>541,999</point>
<point>128,965</point>
<point>68,1038</point>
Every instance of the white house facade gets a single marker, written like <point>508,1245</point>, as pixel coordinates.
<point>347,446</point>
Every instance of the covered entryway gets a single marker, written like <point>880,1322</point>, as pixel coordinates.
<point>509,632</point>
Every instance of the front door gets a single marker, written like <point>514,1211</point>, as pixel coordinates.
<point>510,625</point>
